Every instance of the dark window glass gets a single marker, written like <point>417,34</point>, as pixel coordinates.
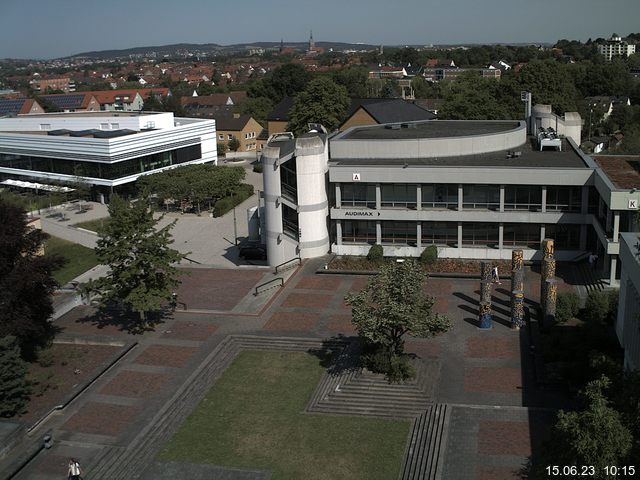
<point>399,232</point>
<point>440,196</point>
<point>358,195</point>
<point>522,197</point>
<point>567,237</point>
<point>290,221</point>
<point>440,233</point>
<point>399,195</point>
<point>358,231</point>
<point>521,235</point>
<point>481,196</point>
<point>481,234</point>
<point>564,199</point>
<point>289,180</point>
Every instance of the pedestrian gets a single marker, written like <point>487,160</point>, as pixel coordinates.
<point>494,275</point>
<point>592,260</point>
<point>74,470</point>
<point>595,261</point>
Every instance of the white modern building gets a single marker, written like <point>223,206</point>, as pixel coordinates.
<point>475,189</point>
<point>616,47</point>
<point>108,150</point>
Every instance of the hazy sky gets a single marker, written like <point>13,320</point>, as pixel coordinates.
<point>55,28</point>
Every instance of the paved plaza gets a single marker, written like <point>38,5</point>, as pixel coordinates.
<point>497,414</point>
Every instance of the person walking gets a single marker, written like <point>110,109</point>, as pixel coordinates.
<point>494,276</point>
<point>74,470</point>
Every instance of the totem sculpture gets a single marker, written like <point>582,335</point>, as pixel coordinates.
<point>550,302</point>
<point>517,289</point>
<point>486,320</point>
<point>485,295</point>
<point>548,271</point>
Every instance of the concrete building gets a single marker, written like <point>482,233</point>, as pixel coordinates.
<point>616,47</point>
<point>628,322</point>
<point>475,189</point>
<point>107,150</point>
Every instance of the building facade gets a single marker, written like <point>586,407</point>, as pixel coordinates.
<point>104,149</point>
<point>475,189</point>
<point>628,322</point>
<point>616,47</point>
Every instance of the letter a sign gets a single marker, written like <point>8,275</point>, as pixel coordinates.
<point>355,177</point>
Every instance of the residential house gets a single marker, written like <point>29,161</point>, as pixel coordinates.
<point>74,102</point>
<point>19,106</point>
<point>606,104</point>
<point>243,127</point>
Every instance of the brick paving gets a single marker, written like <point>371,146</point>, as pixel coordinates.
<point>488,472</point>
<point>101,419</point>
<point>165,356</point>
<point>482,373</point>
<point>134,384</point>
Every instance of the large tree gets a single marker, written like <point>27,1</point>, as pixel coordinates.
<point>142,265</point>
<point>14,386</point>
<point>394,304</point>
<point>323,101</point>
<point>26,282</point>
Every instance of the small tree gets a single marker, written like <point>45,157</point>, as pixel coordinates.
<point>234,144</point>
<point>14,386</point>
<point>376,254</point>
<point>593,436</point>
<point>429,255</point>
<point>222,149</point>
<point>394,304</point>
<point>142,273</point>
<point>567,307</point>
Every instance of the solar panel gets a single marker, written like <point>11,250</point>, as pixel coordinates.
<point>11,107</point>
<point>66,101</point>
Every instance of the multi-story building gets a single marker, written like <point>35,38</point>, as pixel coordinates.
<point>475,189</point>
<point>628,322</point>
<point>106,150</point>
<point>65,84</point>
<point>616,47</point>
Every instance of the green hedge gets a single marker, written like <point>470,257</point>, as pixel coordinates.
<point>376,254</point>
<point>223,205</point>
<point>567,306</point>
<point>429,255</point>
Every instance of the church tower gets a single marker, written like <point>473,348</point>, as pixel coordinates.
<point>312,44</point>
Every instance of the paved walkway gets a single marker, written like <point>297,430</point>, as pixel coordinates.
<point>497,413</point>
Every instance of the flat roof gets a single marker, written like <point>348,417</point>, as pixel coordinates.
<point>101,113</point>
<point>529,158</point>
<point>622,170</point>
<point>430,129</point>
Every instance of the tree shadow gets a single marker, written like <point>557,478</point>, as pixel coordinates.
<point>339,354</point>
<point>126,320</point>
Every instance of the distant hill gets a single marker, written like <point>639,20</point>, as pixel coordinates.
<point>213,49</point>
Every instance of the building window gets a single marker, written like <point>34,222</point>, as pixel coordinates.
<point>289,180</point>
<point>358,195</point>
<point>221,136</point>
<point>115,126</point>
<point>403,233</point>
<point>229,137</point>
<point>399,195</point>
<point>358,231</point>
<point>521,235</point>
<point>290,222</point>
<point>566,237</point>
<point>104,126</point>
<point>482,197</point>
<point>564,199</point>
<point>440,233</point>
<point>45,126</point>
<point>523,197</point>
<point>440,196</point>
<point>480,234</point>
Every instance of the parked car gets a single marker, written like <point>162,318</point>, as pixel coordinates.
<point>253,252</point>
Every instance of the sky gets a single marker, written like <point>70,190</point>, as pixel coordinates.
<point>42,29</point>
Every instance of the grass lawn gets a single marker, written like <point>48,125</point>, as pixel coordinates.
<point>79,258</point>
<point>253,418</point>
<point>92,224</point>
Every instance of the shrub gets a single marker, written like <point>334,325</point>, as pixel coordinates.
<point>601,307</point>
<point>257,168</point>
<point>396,368</point>
<point>429,255</point>
<point>222,149</point>
<point>223,205</point>
<point>376,254</point>
<point>567,306</point>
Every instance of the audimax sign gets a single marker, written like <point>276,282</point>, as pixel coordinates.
<point>360,213</point>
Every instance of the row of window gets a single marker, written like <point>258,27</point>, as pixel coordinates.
<point>567,237</point>
<point>230,136</point>
<point>109,171</point>
<point>516,197</point>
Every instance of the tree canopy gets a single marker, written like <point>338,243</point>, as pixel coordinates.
<point>394,304</point>
<point>323,101</point>
<point>14,386</point>
<point>26,282</point>
<point>285,81</point>
<point>142,266</point>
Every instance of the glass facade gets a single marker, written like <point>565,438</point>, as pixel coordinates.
<point>566,236</point>
<point>564,199</point>
<point>440,233</point>
<point>481,196</point>
<point>480,234</point>
<point>523,197</point>
<point>399,195</point>
<point>108,171</point>
<point>521,235</point>
<point>404,233</point>
<point>358,231</point>
<point>289,180</point>
<point>358,195</point>
<point>440,196</point>
<point>290,222</point>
